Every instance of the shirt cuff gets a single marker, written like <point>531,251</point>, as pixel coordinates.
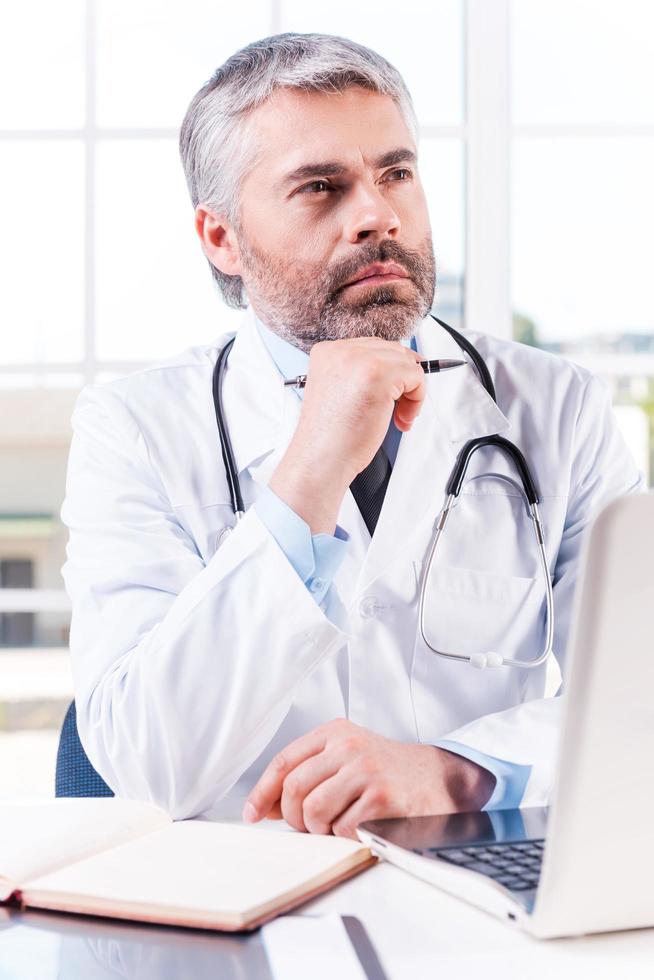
<point>316,558</point>
<point>511,778</point>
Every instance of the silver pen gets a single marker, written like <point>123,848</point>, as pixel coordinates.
<point>429,367</point>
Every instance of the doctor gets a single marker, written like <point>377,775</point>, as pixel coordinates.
<point>280,663</point>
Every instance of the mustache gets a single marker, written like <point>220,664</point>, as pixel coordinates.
<point>385,251</point>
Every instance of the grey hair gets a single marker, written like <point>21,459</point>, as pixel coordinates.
<point>213,142</point>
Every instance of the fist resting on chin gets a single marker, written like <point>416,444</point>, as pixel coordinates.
<point>339,775</point>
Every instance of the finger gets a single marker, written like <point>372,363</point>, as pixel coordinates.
<point>365,807</point>
<point>327,801</point>
<point>376,343</point>
<point>301,781</point>
<point>392,350</point>
<point>268,789</point>
<point>417,356</point>
<point>408,405</point>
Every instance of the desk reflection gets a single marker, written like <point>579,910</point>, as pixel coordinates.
<point>91,949</point>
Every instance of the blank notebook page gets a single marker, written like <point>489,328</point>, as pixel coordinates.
<point>203,867</point>
<point>37,837</point>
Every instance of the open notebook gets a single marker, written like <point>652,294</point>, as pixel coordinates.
<point>130,861</point>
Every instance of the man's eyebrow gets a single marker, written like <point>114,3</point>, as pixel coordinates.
<point>401,155</point>
<point>326,168</point>
<point>332,168</point>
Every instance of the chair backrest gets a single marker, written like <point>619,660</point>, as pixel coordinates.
<point>75,775</point>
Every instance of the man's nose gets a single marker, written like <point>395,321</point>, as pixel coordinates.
<point>370,215</point>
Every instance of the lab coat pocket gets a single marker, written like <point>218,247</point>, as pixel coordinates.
<point>468,611</point>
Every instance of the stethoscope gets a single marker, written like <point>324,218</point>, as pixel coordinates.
<point>453,489</point>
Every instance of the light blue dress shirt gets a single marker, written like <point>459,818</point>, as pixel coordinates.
<point>316,558</point>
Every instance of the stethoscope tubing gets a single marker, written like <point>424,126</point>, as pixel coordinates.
<point>231,472</point>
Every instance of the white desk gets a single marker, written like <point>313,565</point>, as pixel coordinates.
<point>420,932</point>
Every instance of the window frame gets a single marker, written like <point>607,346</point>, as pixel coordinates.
<point>486,134</point>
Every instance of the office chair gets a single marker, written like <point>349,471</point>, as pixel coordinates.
<point>75,775</point>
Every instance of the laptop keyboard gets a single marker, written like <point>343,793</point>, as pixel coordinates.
<point>515,866</point>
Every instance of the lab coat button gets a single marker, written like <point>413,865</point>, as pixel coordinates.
<point>368,607</point>
<point>220,537</point>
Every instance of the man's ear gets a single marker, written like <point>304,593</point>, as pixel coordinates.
<point>218,241</point>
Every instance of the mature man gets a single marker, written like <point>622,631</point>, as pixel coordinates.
<point>282,662</point>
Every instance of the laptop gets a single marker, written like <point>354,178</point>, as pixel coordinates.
<point>586,863</point>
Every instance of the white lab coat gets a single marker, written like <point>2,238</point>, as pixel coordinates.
<point>197,655</point>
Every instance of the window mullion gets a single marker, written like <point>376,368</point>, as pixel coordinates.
<point>89,196</point>
<point>487,303</point>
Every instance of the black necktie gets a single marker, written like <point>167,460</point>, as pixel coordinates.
<point>369,488</point>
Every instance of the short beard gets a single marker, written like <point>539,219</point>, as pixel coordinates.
<point>302,301</point>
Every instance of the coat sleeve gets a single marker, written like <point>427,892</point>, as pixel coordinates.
<point>602,469</point>
<point>183,671</point>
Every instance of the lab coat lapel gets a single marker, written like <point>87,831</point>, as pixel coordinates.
<point>456,408</point>
<point>261,414</point>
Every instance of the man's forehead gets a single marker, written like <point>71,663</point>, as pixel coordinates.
<point>294,129</point>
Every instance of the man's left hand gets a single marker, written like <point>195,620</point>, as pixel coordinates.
<point>338,775</point>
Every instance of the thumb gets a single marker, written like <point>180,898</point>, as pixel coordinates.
<point>405,412</point>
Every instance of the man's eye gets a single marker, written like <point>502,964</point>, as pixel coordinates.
<point>317,187</point>
<point>402,174</point>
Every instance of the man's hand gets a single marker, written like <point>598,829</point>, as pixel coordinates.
<point>354,387</point>
<point>338,775</point>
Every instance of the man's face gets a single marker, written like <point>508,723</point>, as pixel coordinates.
<point>335,190</point>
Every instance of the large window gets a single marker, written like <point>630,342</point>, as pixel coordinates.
<point>582,195</point>
<point>537,144</point>
<point>106,271</point>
